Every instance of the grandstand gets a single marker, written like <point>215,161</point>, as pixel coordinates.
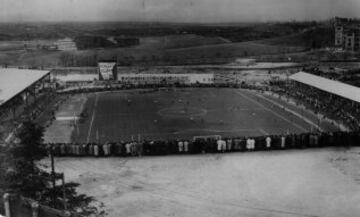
<point>339,100</point>
<point>19,90</point>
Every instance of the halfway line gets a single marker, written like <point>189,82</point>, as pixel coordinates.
<point>92,119</point>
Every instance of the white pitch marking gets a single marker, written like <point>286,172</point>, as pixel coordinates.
<point>275,113</point>
<point>293,112</point>
<point>92,118</point>
<point>212,94</point>
<point>263,132</point>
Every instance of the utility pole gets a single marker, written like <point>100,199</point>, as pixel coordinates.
<point>63,189</point>
<point>53,178</point>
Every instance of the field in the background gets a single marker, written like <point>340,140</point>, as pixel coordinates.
<point>164,50</point>
<point>200,54</point>
<point>179,113</point>
<point>179,41</point>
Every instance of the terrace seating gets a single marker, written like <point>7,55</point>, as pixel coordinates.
<point>332,106</point>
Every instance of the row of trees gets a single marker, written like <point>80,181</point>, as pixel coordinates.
<point>68,59</point>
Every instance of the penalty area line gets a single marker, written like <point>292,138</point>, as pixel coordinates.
<point>263,132</point>
<point>275,113</point>
<point>92,119</point>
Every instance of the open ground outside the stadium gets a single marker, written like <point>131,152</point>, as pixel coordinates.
<point>301,183</point>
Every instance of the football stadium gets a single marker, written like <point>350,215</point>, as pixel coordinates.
<point>131,140</point>
<point>179,108</point>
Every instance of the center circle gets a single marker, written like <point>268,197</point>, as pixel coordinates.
<point>180,112</point>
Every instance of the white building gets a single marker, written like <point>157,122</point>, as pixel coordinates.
<point>107,70</point>
<point>188,78</point>
<point>66,44</point>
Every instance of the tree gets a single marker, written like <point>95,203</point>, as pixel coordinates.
<point>27,178</point>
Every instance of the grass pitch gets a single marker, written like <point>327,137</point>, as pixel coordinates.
<point>176,114</point>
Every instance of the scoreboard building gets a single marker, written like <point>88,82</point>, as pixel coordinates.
<point>107,70</point>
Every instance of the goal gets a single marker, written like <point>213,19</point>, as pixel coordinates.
<point>213,137</point>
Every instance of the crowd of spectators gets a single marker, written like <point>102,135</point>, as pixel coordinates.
<point>115,87</point>
<point>209,145</point>
<point>18,113</point>
<point>331,106</point>
<point>330,74</point>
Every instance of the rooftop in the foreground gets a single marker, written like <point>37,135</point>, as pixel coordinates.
<point>13,81</point>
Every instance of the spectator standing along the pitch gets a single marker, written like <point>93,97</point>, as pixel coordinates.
<point>229,145</point>
<point>237,144</point>
<point>248,144</point>
<point>268,142</point>
<point>91,149</point>
<point>186,146</point>
<point>96,150</point>
<point>62,149</point>
<point>128,148</point>
<point>134,150</point>
<point>180,146</point>
<point>139,148</point>
<point>283,142</point>
<point>84,149</point>
<point>253,144</point>
<point>219,145</point>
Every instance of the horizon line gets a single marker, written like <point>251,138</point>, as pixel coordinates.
<point>174,22</point>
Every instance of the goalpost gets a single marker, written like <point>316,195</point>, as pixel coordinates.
<point>213,137</point>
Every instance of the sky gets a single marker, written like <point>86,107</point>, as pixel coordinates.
<point>197,11</point>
